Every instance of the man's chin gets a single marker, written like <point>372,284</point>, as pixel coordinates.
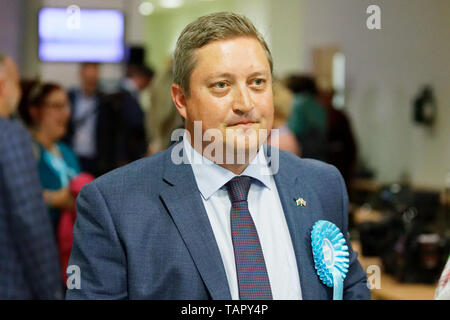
<point>242,149</point>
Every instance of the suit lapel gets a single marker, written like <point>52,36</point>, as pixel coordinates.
<point>300,220</point>
<point>183,202</point>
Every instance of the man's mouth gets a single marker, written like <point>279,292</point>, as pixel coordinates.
<point>246,123</point>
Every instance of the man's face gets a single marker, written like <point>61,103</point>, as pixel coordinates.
<point>89,78</point>
<point>10,91</point>
<point>141,81</point>
<point>54,115</point>
<point>231,90</point>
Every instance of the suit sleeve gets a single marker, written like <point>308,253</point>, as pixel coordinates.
<point>97,252</point>
<point>28,217</point>
<point>355,283</point>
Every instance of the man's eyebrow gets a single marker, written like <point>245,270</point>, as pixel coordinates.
<point>220,75</point>
<point>230,75</point>
<point>259,73</point>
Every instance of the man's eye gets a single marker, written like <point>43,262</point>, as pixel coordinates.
<point>258,82</point>
<point>220,85</point>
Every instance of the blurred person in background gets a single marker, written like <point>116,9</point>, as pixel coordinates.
<point>29,267</point>
<point>86,118</point>
<point>138,78</point>
<point>144,78</point>
<point>45,110</point>
<point>308,119</point>
<point>342,149</point>
<point>123,130</point>
<point>282,101</point>
<point>162,118</point>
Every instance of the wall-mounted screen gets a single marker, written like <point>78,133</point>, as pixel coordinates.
<point>77,35</point>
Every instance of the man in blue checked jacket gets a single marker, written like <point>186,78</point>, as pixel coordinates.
<point>189,224</point>
<point>29,265</point>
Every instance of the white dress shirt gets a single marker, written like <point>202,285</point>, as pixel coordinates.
<point>84,139</point>
<point>267,213</point>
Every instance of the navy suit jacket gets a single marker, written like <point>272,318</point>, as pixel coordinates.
<point>142,232</point>
<point>29,263</point>
<point>120,130</point>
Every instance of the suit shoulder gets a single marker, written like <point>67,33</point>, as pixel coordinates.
<point>12,131</point>
<point>8,125</point>
<point>145,169</point>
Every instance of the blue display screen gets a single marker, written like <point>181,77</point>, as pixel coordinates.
<point>77,35</point>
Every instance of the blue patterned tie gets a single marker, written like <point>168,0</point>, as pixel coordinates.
<point>251,270</point>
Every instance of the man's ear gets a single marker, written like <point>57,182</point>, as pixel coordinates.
<point>2,85</point>
<point>179,99</point>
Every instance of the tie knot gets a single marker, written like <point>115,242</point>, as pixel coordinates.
<point>238,188</point>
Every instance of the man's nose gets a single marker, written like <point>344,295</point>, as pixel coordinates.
<point>242,100</point>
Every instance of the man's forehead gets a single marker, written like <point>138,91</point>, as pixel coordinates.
<point>241,52</point>
<point>224,45</point>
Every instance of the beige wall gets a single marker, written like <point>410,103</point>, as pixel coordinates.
<point>11,19</point>
<point>285,28</point>
<point>277,20</point>
<point>163,27</point>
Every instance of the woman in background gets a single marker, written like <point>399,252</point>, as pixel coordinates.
<point>283,138</point>
<point>45,110</point>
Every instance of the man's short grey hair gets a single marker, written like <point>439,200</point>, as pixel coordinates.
<point>208,28</point>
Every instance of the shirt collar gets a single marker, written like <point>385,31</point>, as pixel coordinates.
<point>130,86</point>
<point>211,177</point>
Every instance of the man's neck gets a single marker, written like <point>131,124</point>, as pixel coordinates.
<point>236,168</point>
<point>44,140</point>
<point>277,123</point>
<point>87,93</point>
<point>131,85</point>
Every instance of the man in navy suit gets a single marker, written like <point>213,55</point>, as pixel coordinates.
<point>214,216</point>
<point>87,114</point>
<point>29,264</point>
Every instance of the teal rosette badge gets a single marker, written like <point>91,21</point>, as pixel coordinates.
<point>330,254</point>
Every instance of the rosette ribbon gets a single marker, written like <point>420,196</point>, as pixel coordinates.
<point>330,254</point>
